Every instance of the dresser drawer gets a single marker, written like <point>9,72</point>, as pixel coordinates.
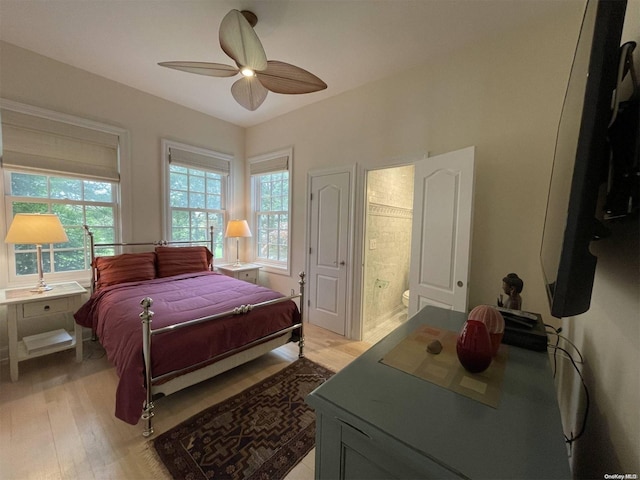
<point>45,307</point>
<point>251,276</point>
<point>246,273</point>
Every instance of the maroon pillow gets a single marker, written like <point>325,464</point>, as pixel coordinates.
<point>179,260</point>
<point>128,267</point>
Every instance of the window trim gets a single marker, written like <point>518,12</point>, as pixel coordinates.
<point>123,193</point>
<point>271,267</point>
<point>166,146</point>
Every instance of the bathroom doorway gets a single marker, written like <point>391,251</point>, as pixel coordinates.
<point>387,250</point>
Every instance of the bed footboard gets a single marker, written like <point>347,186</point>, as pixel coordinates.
<point>147,334</point>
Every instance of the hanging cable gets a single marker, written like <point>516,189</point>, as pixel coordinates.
<point>555,357</point>
<point>570,343</point>
<point>556,331</point>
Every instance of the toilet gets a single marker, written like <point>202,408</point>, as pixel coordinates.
<point>405,298</point>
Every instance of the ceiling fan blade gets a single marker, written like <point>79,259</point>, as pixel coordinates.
<point>238,39</point>
<point>280,77</point>
<point>249,92</point>
<point>203,68</point>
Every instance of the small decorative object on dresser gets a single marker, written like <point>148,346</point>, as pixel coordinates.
<point>512,285</point>
<point>23,304</point>
<point>474,346</point>
<point>494,321</point>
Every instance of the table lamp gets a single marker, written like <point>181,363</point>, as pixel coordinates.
<point>36,228</point>
<point>237,229</point>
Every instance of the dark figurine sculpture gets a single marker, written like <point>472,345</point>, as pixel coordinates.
<point>512,285</point>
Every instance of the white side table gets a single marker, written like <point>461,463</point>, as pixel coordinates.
<point>246,271</point>
<point>21,303</point>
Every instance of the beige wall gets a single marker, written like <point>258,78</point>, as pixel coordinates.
<point>504,96</point>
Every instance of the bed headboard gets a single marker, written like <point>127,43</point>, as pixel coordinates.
<point>158,243</point>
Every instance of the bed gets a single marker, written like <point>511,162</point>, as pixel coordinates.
<point>167,321</point>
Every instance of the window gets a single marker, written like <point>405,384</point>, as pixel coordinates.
<point>65,165</point>
<point>197,184</point>
<point>77,202</point>
<point>271,192</point>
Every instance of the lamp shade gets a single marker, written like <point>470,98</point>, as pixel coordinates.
<point>36,228</point>
<point>237,228</point>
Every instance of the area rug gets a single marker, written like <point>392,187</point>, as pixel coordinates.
<point>260,433</point>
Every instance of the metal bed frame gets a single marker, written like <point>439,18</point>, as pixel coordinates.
<point>214,366</point>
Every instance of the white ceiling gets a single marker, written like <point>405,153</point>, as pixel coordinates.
<point>346,43</point>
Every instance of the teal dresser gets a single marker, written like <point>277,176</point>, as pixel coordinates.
<point>377,422</point>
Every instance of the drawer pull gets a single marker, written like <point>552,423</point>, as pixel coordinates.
<point>45,307</point>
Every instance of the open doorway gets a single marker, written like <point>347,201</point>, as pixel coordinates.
<point>387,250</point>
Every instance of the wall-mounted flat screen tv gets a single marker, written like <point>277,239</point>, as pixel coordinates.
<point>581,156</point>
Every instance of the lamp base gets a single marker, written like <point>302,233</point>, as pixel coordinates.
<point>41,289</point>
<point>41,286</point>
<point>237,264</point>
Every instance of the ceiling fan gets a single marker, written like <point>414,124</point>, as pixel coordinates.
<point>238,39</point>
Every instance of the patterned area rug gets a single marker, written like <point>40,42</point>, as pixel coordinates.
<point>260,433</point>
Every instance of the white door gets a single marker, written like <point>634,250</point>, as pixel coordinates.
<point>441,232</point>
<point>328,252</point>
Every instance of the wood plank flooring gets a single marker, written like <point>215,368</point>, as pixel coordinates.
<point>57,421</point>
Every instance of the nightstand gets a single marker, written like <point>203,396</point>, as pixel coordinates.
<point>22,305</point>
<point>247,272</point>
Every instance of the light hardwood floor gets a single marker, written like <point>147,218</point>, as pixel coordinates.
<point>57,421</point>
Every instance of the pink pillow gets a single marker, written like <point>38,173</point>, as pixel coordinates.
<point>179,260</point>
<point>128,267</point>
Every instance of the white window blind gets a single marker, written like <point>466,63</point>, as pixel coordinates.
<point>198,160</point>
<point>276,164</point>
<point>43,144</point>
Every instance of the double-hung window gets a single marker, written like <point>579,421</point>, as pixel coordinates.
<point>54,163</point>
<point>271,199</point>
<point>197,183</point>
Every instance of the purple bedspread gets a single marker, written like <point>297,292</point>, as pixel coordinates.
<point>113,312</point>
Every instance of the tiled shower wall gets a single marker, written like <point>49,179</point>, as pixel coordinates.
<point>387,242</point>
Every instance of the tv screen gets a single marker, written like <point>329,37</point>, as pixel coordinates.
<point>580,158</point>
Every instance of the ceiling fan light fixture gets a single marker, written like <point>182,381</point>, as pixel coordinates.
<point>239,41</point>
<point>249,92</point>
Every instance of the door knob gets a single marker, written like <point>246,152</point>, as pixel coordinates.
<point>342,262</point>
<point>460,284</point>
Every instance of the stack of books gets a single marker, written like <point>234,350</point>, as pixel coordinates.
<point>42,341</point>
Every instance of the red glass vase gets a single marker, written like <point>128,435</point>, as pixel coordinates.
<point>494,321</point>
<point>474,346</point>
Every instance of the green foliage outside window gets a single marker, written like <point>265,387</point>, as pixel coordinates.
<point>196,199</point>
<point>273,216</point>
